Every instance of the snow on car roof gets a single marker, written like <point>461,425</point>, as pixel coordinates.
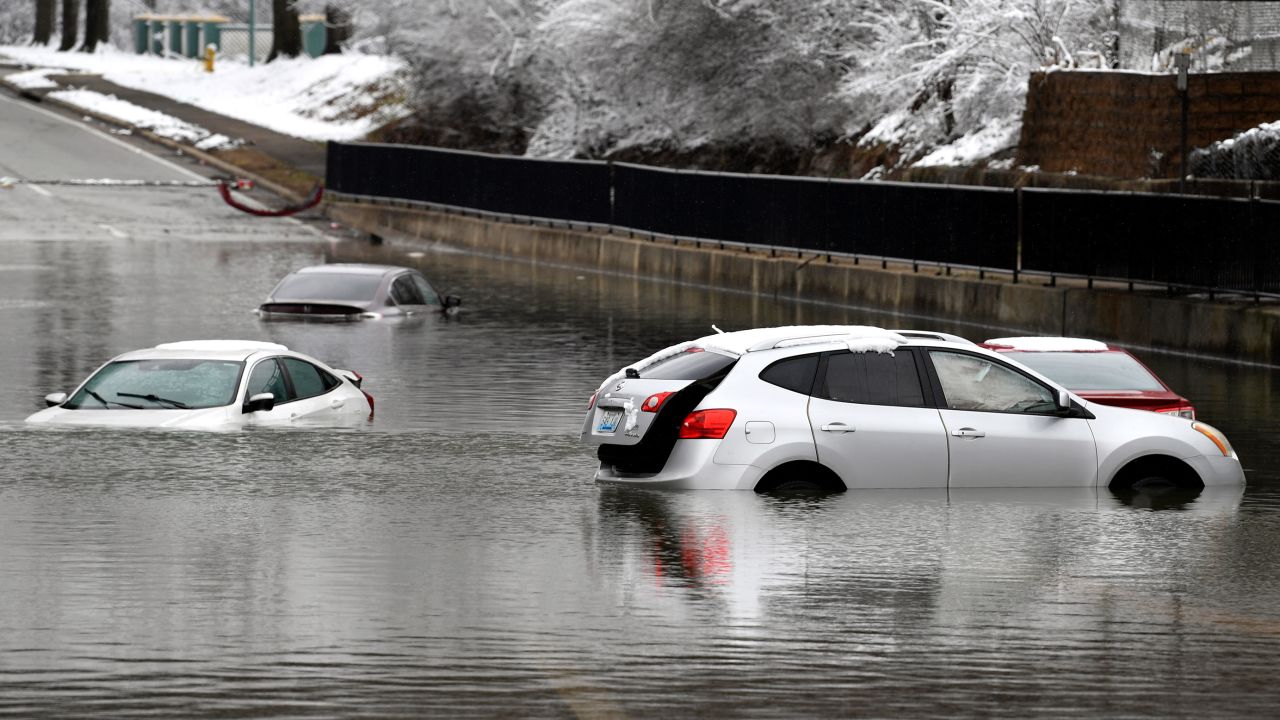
<point>1048,344</point>
<point>352,268</point>
<point>221,346</point>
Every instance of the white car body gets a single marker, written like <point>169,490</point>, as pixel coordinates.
<point>342,403</point>
<point>779,433</point>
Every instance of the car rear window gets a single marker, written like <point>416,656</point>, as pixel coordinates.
<point>695,365</point>
<point>1091,370</point>
<point>327,286</point>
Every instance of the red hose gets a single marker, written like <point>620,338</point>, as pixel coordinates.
<point>225,190</point>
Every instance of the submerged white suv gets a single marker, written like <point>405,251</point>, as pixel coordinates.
<point>859,407</point>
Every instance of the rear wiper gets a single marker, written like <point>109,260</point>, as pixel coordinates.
<point>109,403</point>
<point>156,399</point>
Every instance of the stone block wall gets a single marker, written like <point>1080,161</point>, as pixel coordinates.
<point>1127,125</point>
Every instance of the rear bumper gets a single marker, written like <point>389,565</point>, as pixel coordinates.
<point>690,466</point>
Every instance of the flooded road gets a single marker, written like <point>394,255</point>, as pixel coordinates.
<point>454,557</point>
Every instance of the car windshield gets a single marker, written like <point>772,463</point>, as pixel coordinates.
<point>186,384</point>
<point>327,286</point>
<point>1091,370</point>
<point>692,365</point>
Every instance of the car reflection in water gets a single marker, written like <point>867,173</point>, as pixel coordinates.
<point>895,557</point>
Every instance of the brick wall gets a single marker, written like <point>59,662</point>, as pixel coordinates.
<point>1127,125</point>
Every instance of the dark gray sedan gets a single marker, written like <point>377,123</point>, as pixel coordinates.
<point>351,291</point>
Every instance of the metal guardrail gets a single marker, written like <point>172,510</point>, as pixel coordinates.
<point>1177,242</point>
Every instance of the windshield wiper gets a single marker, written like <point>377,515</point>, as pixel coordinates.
<point>109,403</point>
<point>156,399</point>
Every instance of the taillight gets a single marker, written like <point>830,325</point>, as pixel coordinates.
<point>592,402</point>
<point>1182,411</point>
<point>654,402</point>
<point>707,424</point>
<point>369,397</point>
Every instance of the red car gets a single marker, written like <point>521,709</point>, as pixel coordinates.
<point>1095,371</point>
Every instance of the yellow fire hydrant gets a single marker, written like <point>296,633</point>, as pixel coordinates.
<point>209,52</point>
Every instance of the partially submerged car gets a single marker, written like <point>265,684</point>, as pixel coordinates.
<point>352,291</point>
<point>1096,371</point>
<point>851,406</point>
<point>211,384</point>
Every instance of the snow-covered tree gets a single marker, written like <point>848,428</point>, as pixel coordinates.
<point>937,70</point>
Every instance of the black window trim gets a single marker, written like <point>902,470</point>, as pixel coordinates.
<point>941,399</point>
<point>927,384</point>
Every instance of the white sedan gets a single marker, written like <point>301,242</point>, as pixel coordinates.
<point>860,407</point>
<point>211,384</point>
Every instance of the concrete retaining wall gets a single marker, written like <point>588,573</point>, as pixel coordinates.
<point>1236,330</point>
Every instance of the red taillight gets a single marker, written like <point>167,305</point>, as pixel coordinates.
<point>592,402</point>
<point>369,397</point>
<point>707,424</point>
<point>1182,411</point>
<point>654,402</point>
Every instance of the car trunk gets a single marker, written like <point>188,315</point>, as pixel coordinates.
<point>299,308</point>
<point>638,441</point>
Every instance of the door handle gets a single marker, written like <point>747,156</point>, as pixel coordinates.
<point>837,427</point>
<point>968,432</point>
<point>335,404</point>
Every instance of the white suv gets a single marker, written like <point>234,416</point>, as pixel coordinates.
<point>859,407</point>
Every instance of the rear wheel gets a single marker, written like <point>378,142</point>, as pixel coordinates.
<point>800,478</point>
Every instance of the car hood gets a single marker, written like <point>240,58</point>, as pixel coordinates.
<point>203,418</point>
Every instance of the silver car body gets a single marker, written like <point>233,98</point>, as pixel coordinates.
<point>390,291</point>
<point>867,445</point>
<point>343,403</point>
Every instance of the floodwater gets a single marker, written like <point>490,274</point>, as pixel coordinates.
<point>454,557</point>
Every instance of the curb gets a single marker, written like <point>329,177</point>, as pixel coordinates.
<point>200,155</point>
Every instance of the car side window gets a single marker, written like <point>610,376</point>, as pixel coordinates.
<point>873,378</point>
<point>308,380</point>
<point>404,292</point>
<point>267,377</point>
<point>795,374</point>
<point>970,382</point>
<point>428,293</point>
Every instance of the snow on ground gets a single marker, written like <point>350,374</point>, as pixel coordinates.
<point>1000,134</point>
<point>325,98</point>
<point>128,113</point>
<point>33,79</point>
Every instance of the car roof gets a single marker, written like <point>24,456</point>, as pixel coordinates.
<point>353,269</point>
<point>204,349</point>
<point>1047,344</point>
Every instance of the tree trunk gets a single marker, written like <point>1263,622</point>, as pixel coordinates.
<point>286,30</point>
<point>337,23</point>
<point>70,24</point>
<point>44,22</point>
<point>97,23</point>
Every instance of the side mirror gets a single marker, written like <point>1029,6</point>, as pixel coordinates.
<point>55,399</point>
<point>451,301</point>
<point>261,401</point>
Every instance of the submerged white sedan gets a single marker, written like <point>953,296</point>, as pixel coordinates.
<point>211,384</point>
<point>844,407</point>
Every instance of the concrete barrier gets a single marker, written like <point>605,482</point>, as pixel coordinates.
<point>1236,330</point>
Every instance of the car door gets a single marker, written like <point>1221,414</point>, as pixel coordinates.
<point>407,295</point>
<point>312,390</point>
<point>267,375</point>
<point>874,423</point>
<point>1003,428</point>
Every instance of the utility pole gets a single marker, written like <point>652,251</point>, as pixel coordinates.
<point>253,34</point>
<point>1182,61</point>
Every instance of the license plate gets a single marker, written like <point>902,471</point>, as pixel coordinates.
<point>609,420</point>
